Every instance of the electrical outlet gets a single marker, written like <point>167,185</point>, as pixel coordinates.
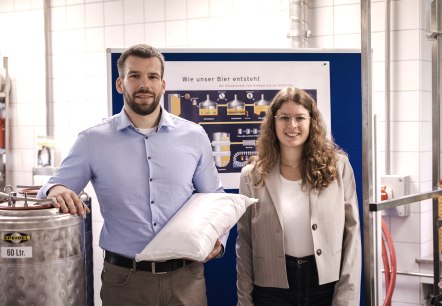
<point>400,186</point>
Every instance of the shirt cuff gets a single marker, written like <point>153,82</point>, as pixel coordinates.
<point>221,253</point>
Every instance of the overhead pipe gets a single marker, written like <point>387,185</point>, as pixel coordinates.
<point>299,25</point>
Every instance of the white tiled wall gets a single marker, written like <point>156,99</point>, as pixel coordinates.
<point>81,30</point>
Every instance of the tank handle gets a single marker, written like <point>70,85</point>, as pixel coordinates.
<point>11,197</point>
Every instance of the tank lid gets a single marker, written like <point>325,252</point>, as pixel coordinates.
<point>22,206</point>
<point>9,200</point>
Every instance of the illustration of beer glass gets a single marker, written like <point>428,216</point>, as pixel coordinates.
<point>175,104</point>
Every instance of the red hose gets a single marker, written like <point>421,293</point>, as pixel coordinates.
<point>389,286</point>
<point>386,265</point>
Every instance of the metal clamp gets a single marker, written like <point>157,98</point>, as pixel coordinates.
<point>12,198</point>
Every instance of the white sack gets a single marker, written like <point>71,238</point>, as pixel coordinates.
<point>193,231</point>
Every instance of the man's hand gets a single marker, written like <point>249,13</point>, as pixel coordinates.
<point>217,249</point>
<point>67,200</point>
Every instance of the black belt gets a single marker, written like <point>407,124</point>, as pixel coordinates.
<point>301,260</point>
<point>156,267</point>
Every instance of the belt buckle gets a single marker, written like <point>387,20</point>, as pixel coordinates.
<point>153,264</point>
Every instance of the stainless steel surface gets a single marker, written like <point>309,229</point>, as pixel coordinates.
<point>11,198</point>
<point>370,293</point>
<point>42,259</point>
<point>436,91</point>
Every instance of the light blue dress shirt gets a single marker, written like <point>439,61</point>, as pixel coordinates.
<point>140,181</point>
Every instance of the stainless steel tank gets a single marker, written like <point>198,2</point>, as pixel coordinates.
<point>42,260</point>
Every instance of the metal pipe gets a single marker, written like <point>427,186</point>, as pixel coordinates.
<point>299,26</point>
<point>399,201</point>
<point>8,129</point>
<point>370,279</point>
<point>435,51</point>
<point>413,274</point>
<point>387,88</point>
<point>48,71</point>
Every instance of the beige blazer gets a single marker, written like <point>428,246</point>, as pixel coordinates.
<point>334,217</point>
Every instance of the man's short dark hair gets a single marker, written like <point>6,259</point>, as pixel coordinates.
<point>143,51</point>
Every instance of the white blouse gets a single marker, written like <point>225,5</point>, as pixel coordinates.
<point>295,210</point>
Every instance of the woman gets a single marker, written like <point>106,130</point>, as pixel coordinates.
<point>300,244</point>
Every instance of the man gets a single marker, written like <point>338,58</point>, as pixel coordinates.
<point>144,164</point>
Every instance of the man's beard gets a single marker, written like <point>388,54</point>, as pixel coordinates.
<point>144,109</point>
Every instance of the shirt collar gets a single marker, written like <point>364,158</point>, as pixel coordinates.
<point>165,120</point>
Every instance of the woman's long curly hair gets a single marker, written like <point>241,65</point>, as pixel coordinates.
<point>319,155</point>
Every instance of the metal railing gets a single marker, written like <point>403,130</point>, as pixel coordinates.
<point>399,201</point>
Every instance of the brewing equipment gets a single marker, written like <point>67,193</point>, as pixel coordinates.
<point>42,260</point>
<point>236,107</point>
<point>261,106</point>
<point>208,107</point>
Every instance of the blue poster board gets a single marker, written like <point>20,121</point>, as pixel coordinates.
<point>345,118</point>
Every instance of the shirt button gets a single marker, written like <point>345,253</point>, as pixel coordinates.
<point>147,137</point>
<point>149,157</point>
<point>150,180</point>
<point>314,227</point>
<point>319,252</point>
<point>154,224</point>
<point>151,202</point>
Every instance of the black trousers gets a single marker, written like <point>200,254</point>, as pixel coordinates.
<point>304,289</point>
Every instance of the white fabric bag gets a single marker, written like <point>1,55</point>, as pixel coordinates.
<point>193,231</point>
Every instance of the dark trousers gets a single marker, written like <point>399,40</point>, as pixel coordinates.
<point>304,289</point>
